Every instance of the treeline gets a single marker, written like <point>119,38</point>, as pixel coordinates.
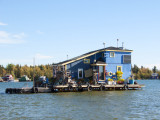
<point>17,71</point>
<point>144,73</point>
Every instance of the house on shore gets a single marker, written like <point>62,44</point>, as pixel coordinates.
<point>154,76</point>
<point>98,66</point>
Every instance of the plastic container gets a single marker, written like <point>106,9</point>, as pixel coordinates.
<point>110,82</point>
<point>131,81</point>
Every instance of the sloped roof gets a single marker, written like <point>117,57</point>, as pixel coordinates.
<point>118,49</point>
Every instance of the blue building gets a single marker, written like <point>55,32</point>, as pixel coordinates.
<point>99,65</point>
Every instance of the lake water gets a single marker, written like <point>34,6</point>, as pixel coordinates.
<point>109,105</point>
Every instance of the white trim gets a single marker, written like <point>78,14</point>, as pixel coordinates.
<point>80,69</point>
<point>112,52</point>
<point>94,54</point>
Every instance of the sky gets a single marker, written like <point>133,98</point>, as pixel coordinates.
<point>49,30</point>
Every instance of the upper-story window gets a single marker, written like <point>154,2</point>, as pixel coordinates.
<point>86,61</point>
<point>112,54</point>
<point>105,55</point>
<point>127,59</point>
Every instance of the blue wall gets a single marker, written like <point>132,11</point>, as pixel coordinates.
<point>112,63</point>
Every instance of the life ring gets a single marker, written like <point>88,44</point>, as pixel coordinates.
<point>36,90</point>
<point>7,91</point>
<point>90,87</point>
<point>110,73</point>
<point>103,87</point>
<point>126,87</point>
<point>20,91</point>
<point>69,87</point>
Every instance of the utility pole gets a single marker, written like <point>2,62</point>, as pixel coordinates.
<point>33,72</point>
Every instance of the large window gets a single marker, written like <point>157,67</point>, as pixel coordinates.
<point>80,73</point>
<point>112,54</point>
<point>127,59</point>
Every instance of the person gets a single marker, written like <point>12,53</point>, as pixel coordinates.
<point>114,82</point>
<point>69,79</point>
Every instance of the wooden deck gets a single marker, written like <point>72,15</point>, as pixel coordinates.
<point>73,88</point>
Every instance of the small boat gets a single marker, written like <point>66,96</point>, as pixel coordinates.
<point>10,80</point>
<point>1,80</point>
<point>13,80</point>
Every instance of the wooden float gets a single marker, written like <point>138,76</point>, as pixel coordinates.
<point>73,88</point>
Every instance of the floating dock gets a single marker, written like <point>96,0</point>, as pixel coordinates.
<point>72,88</point>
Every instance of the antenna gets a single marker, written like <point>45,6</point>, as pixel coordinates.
<point>117,42</point>
<point>67,57</point>
<point>122,44</point>
<point>104,44</point>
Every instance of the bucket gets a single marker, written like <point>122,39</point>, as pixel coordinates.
<point>131,81</point>
<point>110,82</point>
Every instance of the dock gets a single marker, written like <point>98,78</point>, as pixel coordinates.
<point>73,88</point>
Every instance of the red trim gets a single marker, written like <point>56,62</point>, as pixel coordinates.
<point>98,73</point>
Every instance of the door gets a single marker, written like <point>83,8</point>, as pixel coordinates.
<point>101,73</point>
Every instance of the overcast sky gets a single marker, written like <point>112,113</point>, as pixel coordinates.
<point>49,30</point>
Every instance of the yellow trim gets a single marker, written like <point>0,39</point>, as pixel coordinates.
<point>118,67</point>
<point>80,58</point>
<point>93,54</point>
<point>84,61</point>
<point>98,64</point>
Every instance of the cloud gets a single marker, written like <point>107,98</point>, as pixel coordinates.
<point>3,23</point>
<point>39,32</point>
<point>7,38</point>
<point>19,36</point>
<point>39,56</point>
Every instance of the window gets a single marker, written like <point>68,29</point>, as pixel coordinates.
<point>86,61</point>
<point>119,68</point>
<point>127,59</point>
<point>80,73</point>
<point>112,54</point>
<point>105,55</point>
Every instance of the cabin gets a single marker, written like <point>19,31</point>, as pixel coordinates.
<point>154,76</point>
<point>24,78</point>
<point>96,66</point>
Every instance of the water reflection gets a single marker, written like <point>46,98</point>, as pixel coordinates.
<point>130,104</point>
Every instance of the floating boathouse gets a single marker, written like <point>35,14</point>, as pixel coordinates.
<point>99,65</point>
<point>102,70</point>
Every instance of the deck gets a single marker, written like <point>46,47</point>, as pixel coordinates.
<point>73,88</point>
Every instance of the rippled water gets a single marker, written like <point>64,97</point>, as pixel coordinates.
<point>131,104</point>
